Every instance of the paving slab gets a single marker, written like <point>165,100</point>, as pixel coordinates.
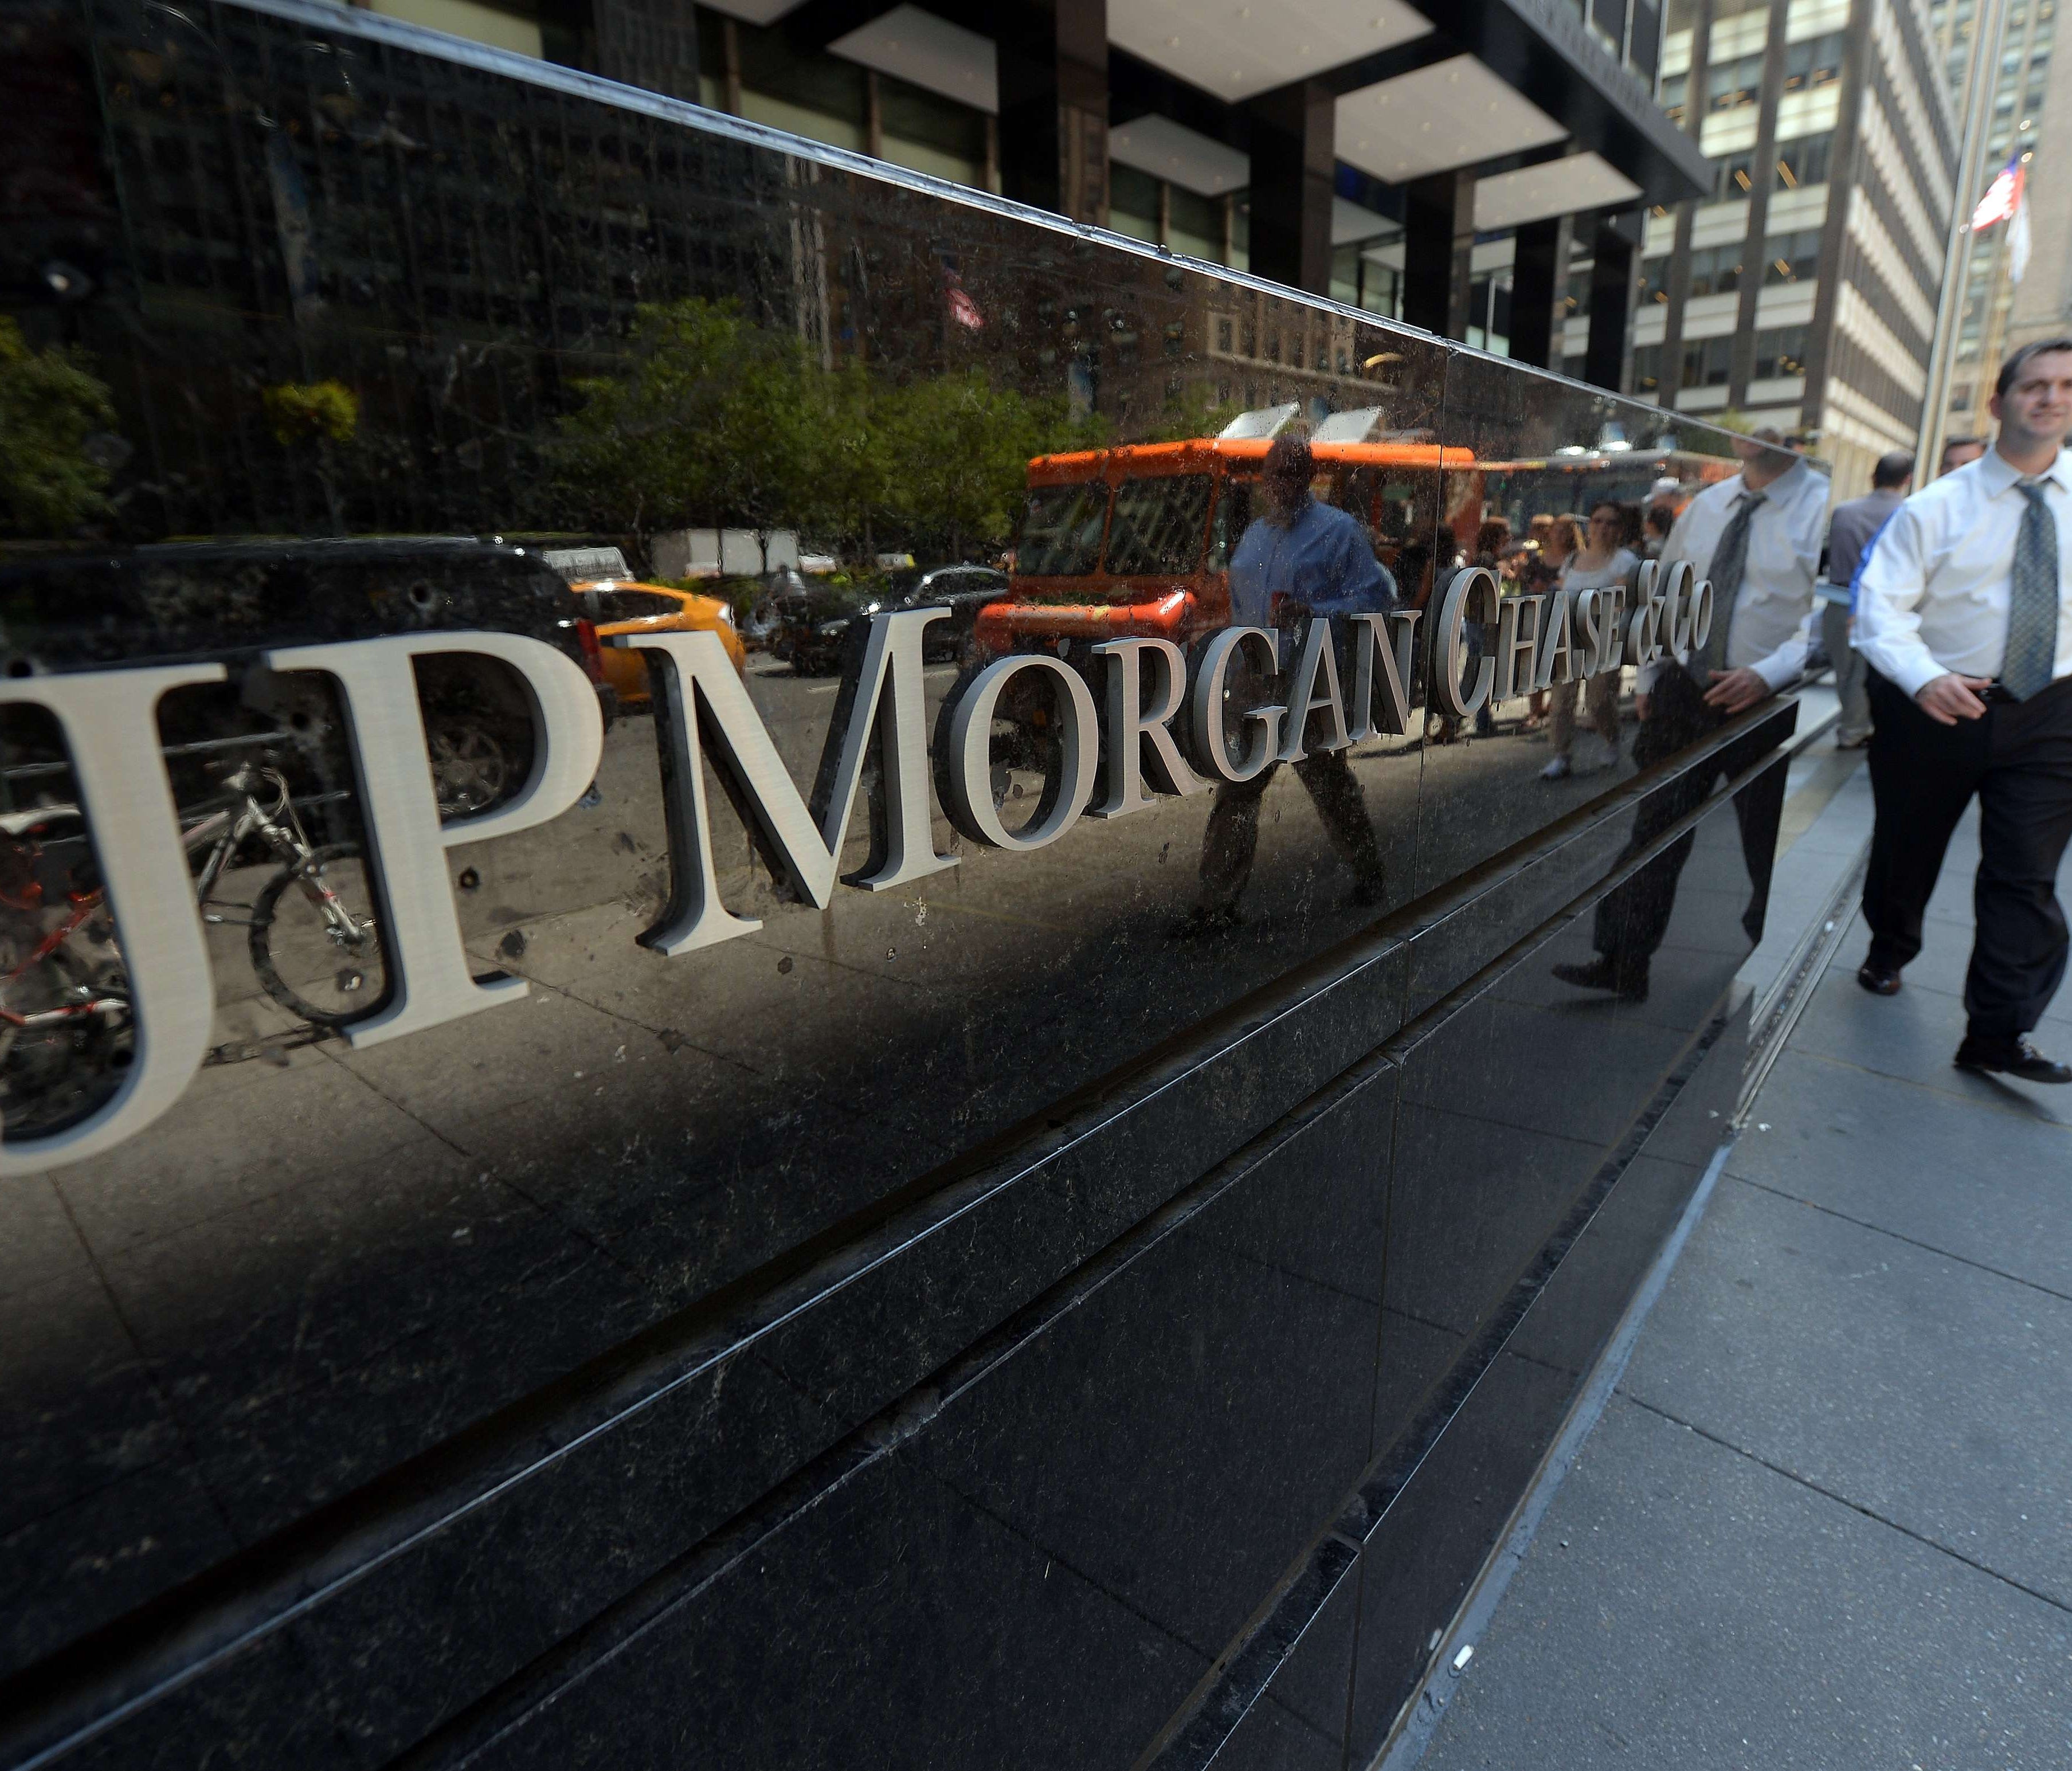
<point>1930,1391</point>
<point>1684,1606</point>
<point>1830,1142</point>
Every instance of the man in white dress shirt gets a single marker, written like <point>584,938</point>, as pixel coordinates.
<point>1964,613</point>
<point>1756,537</point>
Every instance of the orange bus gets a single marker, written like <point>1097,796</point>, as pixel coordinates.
<point>1135,541</point>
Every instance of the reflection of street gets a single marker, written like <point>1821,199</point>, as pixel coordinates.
<point>639,1131</point>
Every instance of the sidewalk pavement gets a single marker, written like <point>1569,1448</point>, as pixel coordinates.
<point>1825,1518</point>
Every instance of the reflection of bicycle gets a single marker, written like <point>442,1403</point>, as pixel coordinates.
<point>65,1017</point>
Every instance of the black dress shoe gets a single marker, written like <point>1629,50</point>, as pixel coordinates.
<point>1880,980</point>
<point>1629,984</point>
<point>2013,1057</point>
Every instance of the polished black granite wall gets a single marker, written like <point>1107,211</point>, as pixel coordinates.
<point>959,1325</point>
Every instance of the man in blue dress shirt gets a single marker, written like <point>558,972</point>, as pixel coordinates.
<point>1302,559</point>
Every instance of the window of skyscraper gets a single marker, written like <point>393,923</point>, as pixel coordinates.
<point>1792,257</point>
<point>1780,350</point>
<point>1736,173</point>
<point>1803,161</point>
<point>1716,269</point>
<point>1707,362</point>
<point>1816,62</point>
<point>1733,84</point>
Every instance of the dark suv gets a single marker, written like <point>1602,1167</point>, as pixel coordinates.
<point>231,601</point>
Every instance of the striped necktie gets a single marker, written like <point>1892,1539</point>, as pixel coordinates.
<point>2034,591</point>
<point>1729,560</point>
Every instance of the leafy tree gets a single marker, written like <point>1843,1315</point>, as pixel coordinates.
<point>51,404</point>
<point>957,451</point>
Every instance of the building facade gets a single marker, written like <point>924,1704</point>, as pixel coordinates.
<point>1477,170</point>
<point>1801,291</point>
<point>2032,107</point>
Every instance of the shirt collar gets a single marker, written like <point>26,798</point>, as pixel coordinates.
<point>1780,489</point>
<point>1999,474</point>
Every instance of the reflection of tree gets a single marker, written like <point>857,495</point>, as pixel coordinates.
<point>715,420</point>
<point>957,451</point>
<point>314,421</point>
<point>50,406</point>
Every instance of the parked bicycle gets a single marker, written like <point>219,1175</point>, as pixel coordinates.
<point>66,1021</point>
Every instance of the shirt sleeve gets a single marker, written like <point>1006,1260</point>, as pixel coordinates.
<point>1889,585</point>
<point>1786,664</point>
<point>1359,583</point>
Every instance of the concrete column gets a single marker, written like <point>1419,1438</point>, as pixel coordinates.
<point>1438,247</point>
<point>1053,60</point>
<point>1538,278</point>
<point>1614,268</point>
<point>1294,160</point>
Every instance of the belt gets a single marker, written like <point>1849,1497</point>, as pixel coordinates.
<point>1997,693</point>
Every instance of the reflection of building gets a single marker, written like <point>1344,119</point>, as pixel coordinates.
<point>2032,91</point>
<point>1801,291</point>
<point>1456,163</point>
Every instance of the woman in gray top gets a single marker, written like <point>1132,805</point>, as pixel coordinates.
<point>1600,562</point>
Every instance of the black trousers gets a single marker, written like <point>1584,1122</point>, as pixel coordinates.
<point>1231,839</point>
<point>1633,917</point>
<point>2018,760</point>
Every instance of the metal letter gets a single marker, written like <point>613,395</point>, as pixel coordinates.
<point>697,692</point>
<point>1607,657</point>
<point>1130,729</point>
<point>1674,629</point>
<point>965,766</point>
<point>110,722</point>
<point>1555,642</point>
<point>1701,616</point>
<point>1518,637</point>
<point>1370,643</point>
<point>1643,645</point>
<point>1209,728</point>
<point>1318,655</point>
<point>435,980</point>
<point>1479,582</point>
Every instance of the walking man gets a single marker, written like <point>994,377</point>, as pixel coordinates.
<point>1300,560</point>
<point>1854,527</point>
<point>1756,537</point>
<point>1965,615</point>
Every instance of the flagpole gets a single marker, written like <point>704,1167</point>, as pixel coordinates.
<point>1982,76</point>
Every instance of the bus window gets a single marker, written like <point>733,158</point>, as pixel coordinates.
<point>1158,524</point>
<point>1061,531</point>
<point>1233,517</point>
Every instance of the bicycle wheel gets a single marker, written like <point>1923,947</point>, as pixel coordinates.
<point>305,961</point>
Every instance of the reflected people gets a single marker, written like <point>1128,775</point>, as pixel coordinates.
<point>1604,561</point>
<point>1757,536</point>
<point>1302,559</point>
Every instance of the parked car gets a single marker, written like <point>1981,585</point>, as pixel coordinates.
<point>622,607</point>
<point>814,625</point>
<point>962,590</point>
<point>231,601</point>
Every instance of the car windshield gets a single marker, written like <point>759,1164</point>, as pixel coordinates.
<point>1159,524</point>
<point>619,604</point>
<point>1061,531</point>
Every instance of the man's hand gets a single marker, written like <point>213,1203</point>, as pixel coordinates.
<point>1734,690</point>
<point>1949,698</point>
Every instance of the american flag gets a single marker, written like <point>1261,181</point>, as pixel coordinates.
<point>2003,196</point>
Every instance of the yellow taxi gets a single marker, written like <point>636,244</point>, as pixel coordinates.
<point>625,605</point>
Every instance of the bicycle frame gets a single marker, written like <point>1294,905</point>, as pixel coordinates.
<point>226,828</point>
